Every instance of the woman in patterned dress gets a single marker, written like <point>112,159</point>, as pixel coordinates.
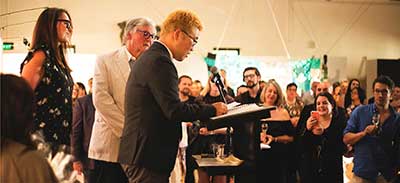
<point>47,72</point>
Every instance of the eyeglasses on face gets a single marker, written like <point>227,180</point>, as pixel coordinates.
<point>147,34</point>
<point>250,76</point>
<point>192,38</point>
<point>383,92</point>
<point>67,23</point>
<point>322,89</point>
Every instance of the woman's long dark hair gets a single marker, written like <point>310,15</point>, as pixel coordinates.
<point>347,97</point>
<point>82,86</point>
<point>45,32</point>
<point>17,107</point>
<point>361,94</point>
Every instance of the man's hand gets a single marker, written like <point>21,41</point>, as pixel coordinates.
<point>77,166</point>
<point>189,124</point>
<point>220,108</point>
<point>370,129</point>
<point>203,131</point>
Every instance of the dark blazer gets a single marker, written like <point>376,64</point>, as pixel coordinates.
<point>82,123</point>
<point>153,112</point>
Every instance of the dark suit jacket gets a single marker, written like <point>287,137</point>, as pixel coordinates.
<point>82,123</point>
<point>153,112</point>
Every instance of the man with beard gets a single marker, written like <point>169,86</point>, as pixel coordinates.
<point>373,131</point>
<point>246,136</point>
<point>184,85</point>
<point>251,76</point>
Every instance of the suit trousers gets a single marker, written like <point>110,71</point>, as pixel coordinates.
<point>109,172</point>
<point>137,174</point>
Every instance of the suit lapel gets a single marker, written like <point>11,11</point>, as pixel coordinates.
<point>122,63</point>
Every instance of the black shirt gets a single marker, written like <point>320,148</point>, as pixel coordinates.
<point>245,98</point>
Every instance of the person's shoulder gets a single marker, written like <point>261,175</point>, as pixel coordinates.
<point>341,110</point>
<point>309,107</point>
<point>242,96</point>
<point>283,113</point>
<point>307,94</point>
<point>11,147</point>
<point>40,54</point>
<point>84,99</point>
<point>363,108</point>
<point>395,113</point>
<point>29,163</point>
<point>155,54</point>
<point>22,155</point>
<point>191,99</point>
<point>35,58</point>
<point>159,47</point>
<point>111,54</point>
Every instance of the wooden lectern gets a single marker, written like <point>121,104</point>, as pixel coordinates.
<point>246,139</point>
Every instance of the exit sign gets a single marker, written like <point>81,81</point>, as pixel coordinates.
<point>8,46</point>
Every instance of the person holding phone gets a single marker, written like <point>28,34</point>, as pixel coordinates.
<point>323,147</point>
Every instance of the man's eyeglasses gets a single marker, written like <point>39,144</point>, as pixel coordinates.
<point>67,23</point>
<point>322,89</point>
<point>192,38</point>
<point>249,76</point>
<point>147,34</point>
<point>383,92</point>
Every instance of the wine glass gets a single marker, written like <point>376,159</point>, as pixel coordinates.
<point>264,127</point>
<point>375,121</point>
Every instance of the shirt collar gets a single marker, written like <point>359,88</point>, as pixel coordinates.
<point>169,51</point>
<point>129,54</point>
<point>375,109</point>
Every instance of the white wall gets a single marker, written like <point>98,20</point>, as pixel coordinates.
<point>370,68</point>
<point>374,34</point>
<point>82,65</point>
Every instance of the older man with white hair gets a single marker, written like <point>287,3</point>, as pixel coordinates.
<point>110,76</point>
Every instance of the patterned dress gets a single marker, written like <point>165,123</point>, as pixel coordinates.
<point>294,109</point>
<point>53,98</point>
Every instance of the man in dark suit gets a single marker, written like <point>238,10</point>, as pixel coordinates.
<point>82,123</point>
<point>153,111</point>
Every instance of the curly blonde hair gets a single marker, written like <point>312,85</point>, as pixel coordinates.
<point>181,19</point>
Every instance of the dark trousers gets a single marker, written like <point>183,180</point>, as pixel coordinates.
<point>138,174</point>
<point>90,175</point>
<point>108,172</point>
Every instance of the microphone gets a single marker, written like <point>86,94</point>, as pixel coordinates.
<point>216,78</point>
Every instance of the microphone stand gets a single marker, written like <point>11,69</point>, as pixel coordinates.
<point>221,90</point>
